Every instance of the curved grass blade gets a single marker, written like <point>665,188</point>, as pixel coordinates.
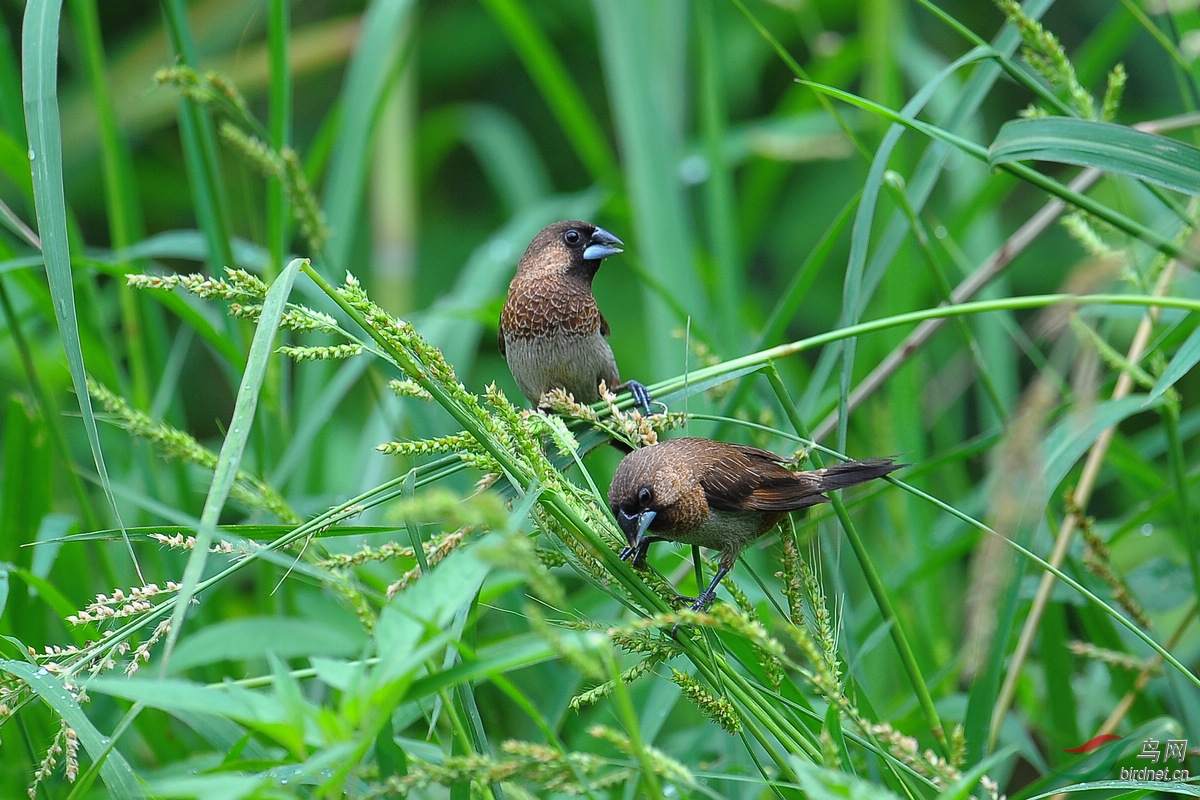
<point>859,285</point>
<point>1106,146</point>
<point>1181,363</point>
<point>39,85</point>
<point>1027,174</point>
<point>225,473</point>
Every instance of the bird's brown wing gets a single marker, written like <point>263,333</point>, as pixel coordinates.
<point>604,329</point>
<point>749,479</point>
<point>765,485</point>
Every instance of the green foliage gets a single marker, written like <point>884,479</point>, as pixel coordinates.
<point>272,243</point>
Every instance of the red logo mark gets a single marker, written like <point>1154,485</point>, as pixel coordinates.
<point>1094,743</point>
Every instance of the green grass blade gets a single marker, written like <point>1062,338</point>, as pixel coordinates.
<point>120,189</point>
<point>372,68</point>
<point>200,147</point>
<point>1181,364</point>
<point>280,124</point>
<point>643,48</point>
<point>567,102</point>
<point>720,196</point>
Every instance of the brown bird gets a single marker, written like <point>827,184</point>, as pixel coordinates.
<point>551,331</point>
<point>717,495</point>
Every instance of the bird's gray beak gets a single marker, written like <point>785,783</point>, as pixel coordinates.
<point>634,525</point>
<point>601,245</point>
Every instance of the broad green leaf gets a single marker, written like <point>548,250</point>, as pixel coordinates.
<point>254,637</point>
<point>261,710</point>
<point>1070,439</point>
<point>430,604</point>
<point>1106,146</point>
<point>231,701</point>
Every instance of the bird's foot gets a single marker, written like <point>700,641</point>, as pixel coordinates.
<point>701,603</point>
<point>641,395</point>
<point>636,560</point>
<point>698,604</point>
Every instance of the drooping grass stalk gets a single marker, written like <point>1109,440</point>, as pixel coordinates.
<point>516,466</point>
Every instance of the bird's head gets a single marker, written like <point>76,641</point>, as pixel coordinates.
<point>569,246</point>
<point>650,493</point>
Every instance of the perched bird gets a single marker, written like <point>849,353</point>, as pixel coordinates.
<point>717,495</point>
<point>551,331</point>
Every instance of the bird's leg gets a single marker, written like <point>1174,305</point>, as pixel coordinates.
<point>641,395</point>
<point>705,598</point>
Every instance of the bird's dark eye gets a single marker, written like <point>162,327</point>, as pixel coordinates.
<point>645,496</point>
<point>572,237</point>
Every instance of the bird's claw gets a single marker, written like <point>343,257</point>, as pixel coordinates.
<point>699,604</point>
<point>705,599</point>
<point>641,395</point>
<point>635,558</point>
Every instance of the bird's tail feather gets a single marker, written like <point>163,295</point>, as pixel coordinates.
<point>852,473</point>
